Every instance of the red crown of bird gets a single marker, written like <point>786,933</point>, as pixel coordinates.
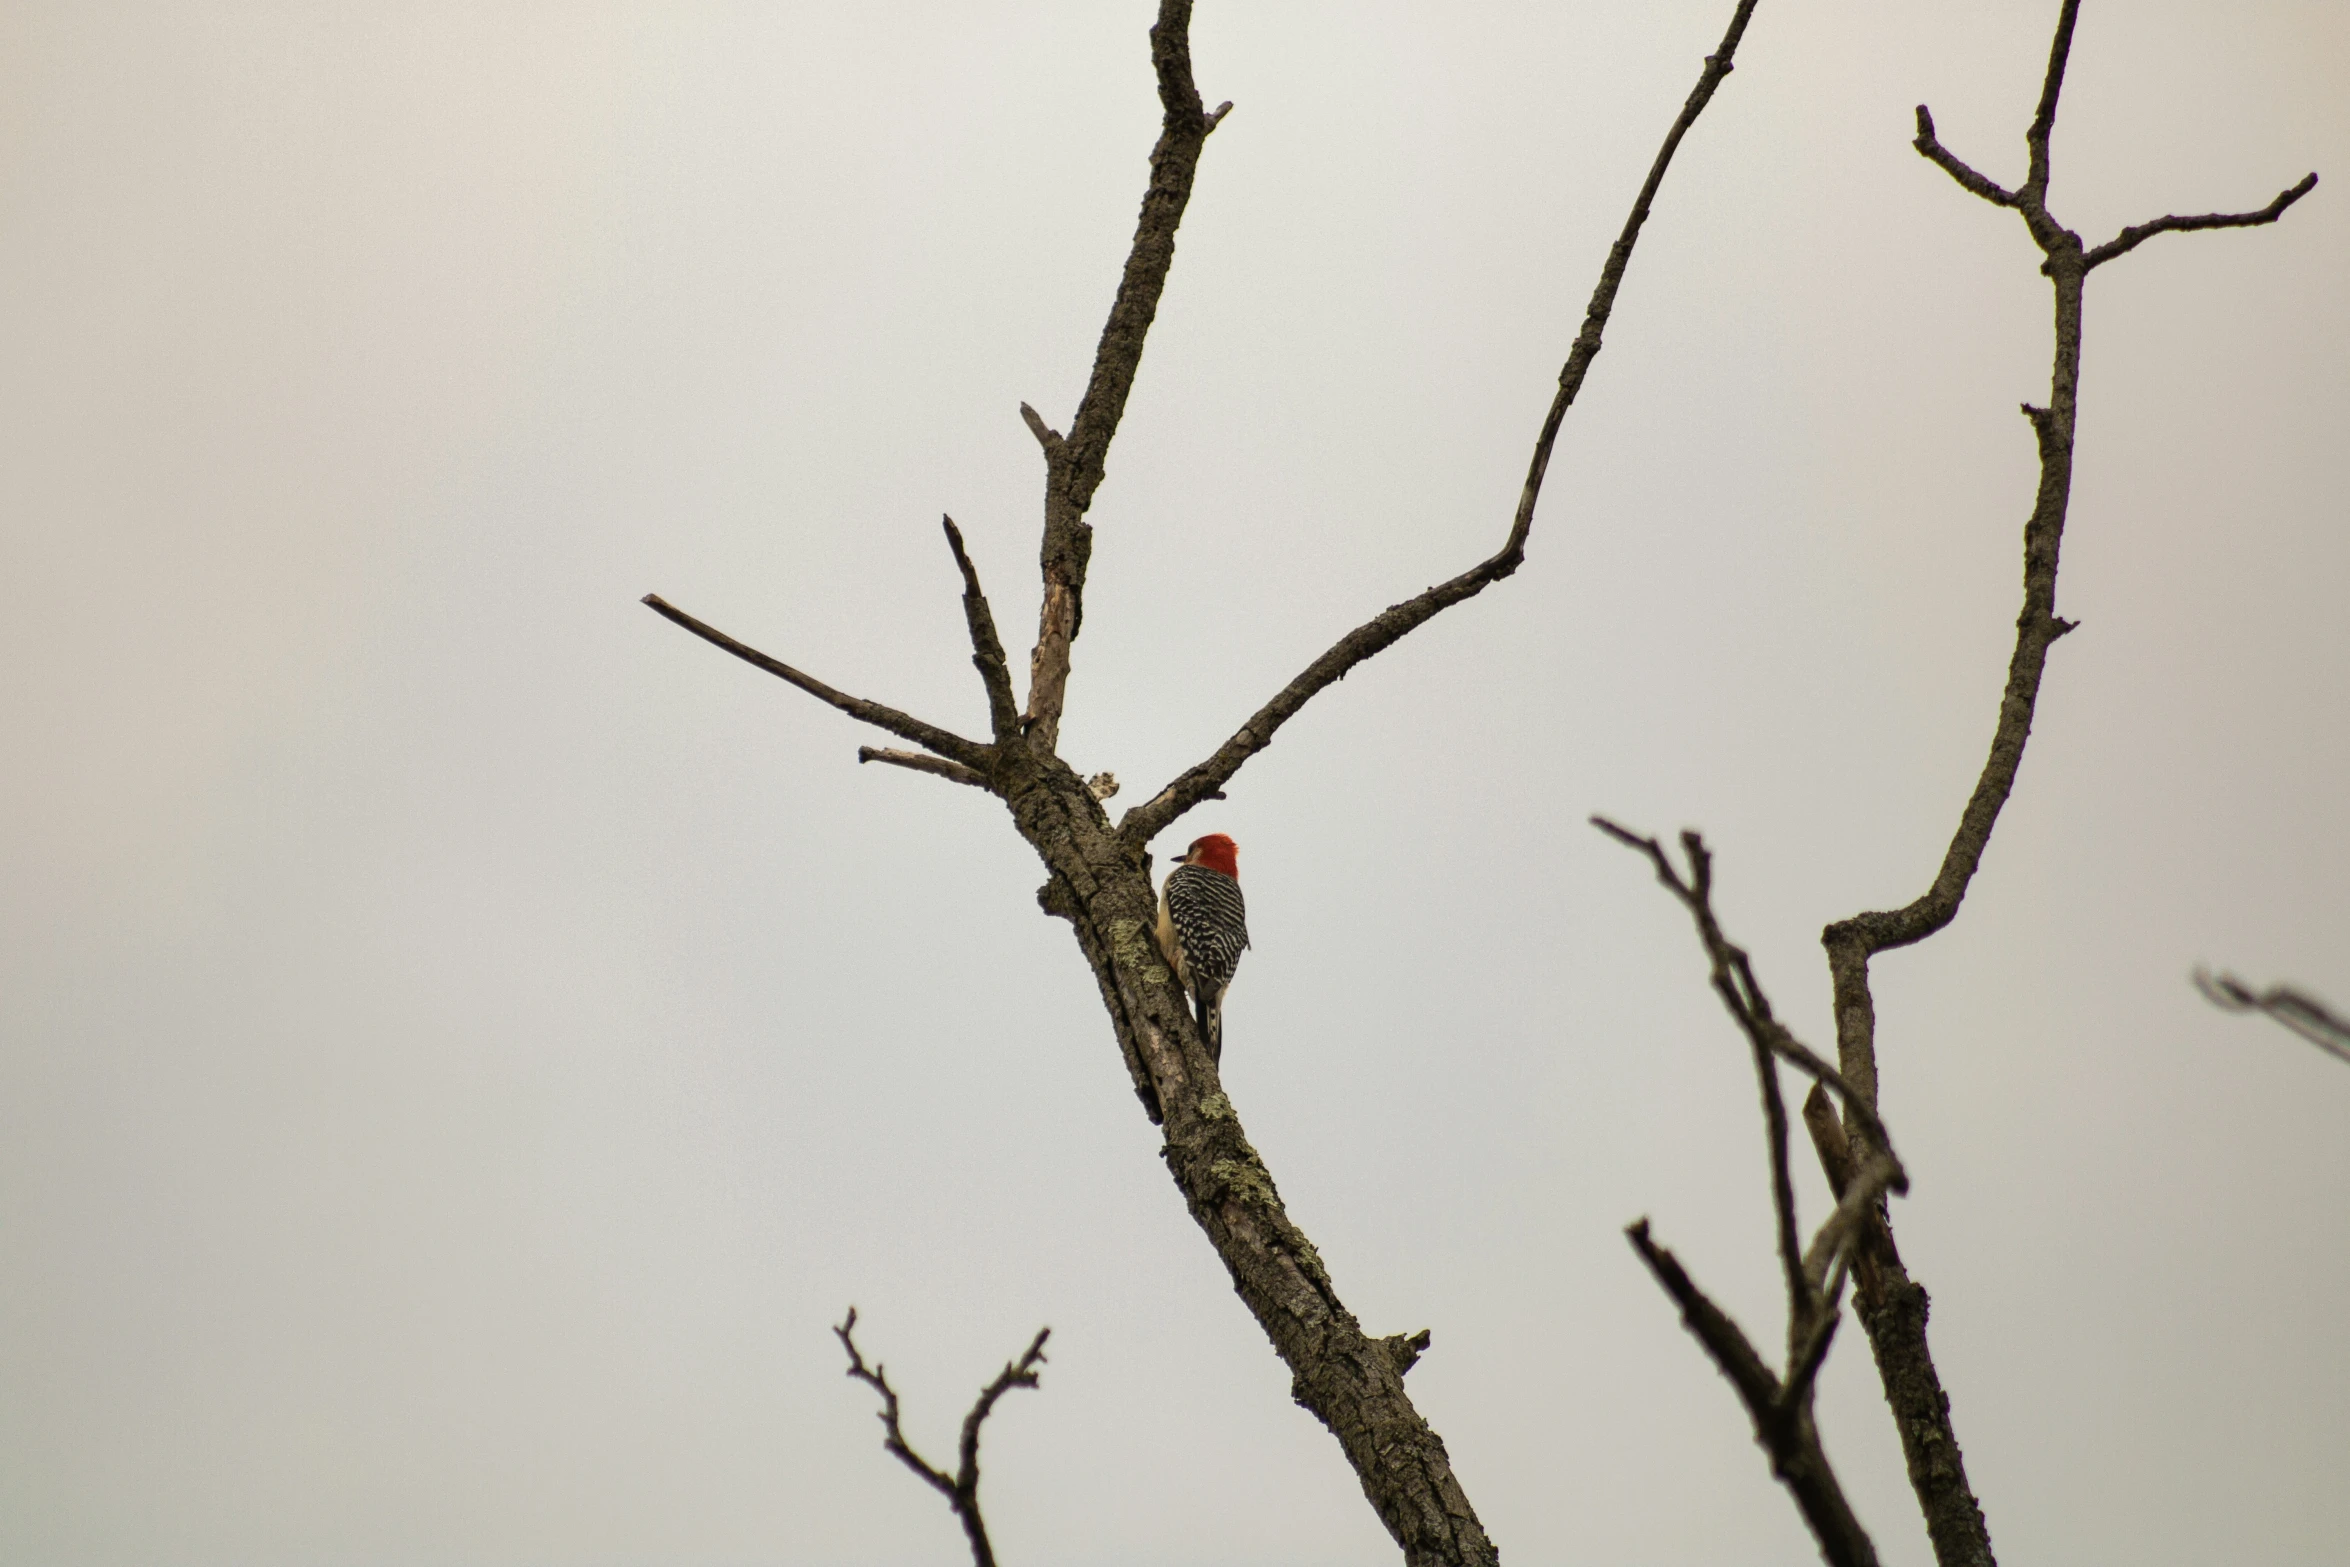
<point>1215,852</point>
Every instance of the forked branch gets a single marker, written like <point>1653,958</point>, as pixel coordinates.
<point>1814,1275</point>
<point>961,1489</point>
<point>1075,464</point>
<point>1893,1307</point>
<point>1732,974</point>
<point>1781,1411</point>
<point>1147,820</point>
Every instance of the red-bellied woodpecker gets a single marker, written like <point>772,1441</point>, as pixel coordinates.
<point>1203,928</point>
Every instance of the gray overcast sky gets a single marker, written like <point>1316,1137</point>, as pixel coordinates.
<point>462,1041</point>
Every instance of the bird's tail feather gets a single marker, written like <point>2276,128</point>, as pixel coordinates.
<point>1211,1028</point>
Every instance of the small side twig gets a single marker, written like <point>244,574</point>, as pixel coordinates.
<point>1813,1353</point>
<point>915,761</point>
<point>906,727</point>
<point>962,1488</point>
<point>2299,1011</point>
<point>2137,234</point>
<point>1802,1297</point>
<point>1828,1139</point>
<point>1046,436</point>
<point>987,649</point>
<point>1733,975</point>
<point>1951,164</point>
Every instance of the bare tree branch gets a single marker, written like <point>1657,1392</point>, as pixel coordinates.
<point>1733,974</point>
<point>894,1438</point>
<point>2137,234</point>
<point>2060,48</point>
<point>1814,1277</point>
<point>987,649</point>
<point>962,1488</point>
<point>1046,436</point>
<point>1722,1338</point>
<point>1893,1307</point>
<point>1074,466</point>
<point>915,761</point>
<point>1782,1427</point>
<point>1097,879</point>
<point>1802,1299</point>
<point>1827,1139</point>
<point>1855,1203</point>
<point>929,736</point>
<point>2304,1014</point>
<point>1990,190</point>
<point>1146,821</point>
<point>1812,1354</point>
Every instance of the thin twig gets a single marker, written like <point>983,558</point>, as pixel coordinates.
<point>1733,975</point>
<point>1205,780</point>
<point>915,761</point>
<point>1782,1425</point>
<point>2060,48</point>
<point>1989,189</point>
<point>962,1489</point>
<point>929,736</point>
<point>2304,1014</point>
<point>987,649</point>
<point>1800,1301</point>
<point>1016,1373</point>
<point>893,1437</point>
<point>1809,1357</point>
<point>2137,234</point>
<point>1722,1338</point>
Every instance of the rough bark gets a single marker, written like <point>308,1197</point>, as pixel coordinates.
<point>1350,1380</point>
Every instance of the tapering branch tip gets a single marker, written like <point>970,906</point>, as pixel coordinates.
<point>928,736</point>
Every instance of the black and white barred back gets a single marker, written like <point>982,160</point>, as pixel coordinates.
<point>1211,924</point>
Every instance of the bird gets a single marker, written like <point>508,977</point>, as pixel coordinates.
<point>1203,929</point>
